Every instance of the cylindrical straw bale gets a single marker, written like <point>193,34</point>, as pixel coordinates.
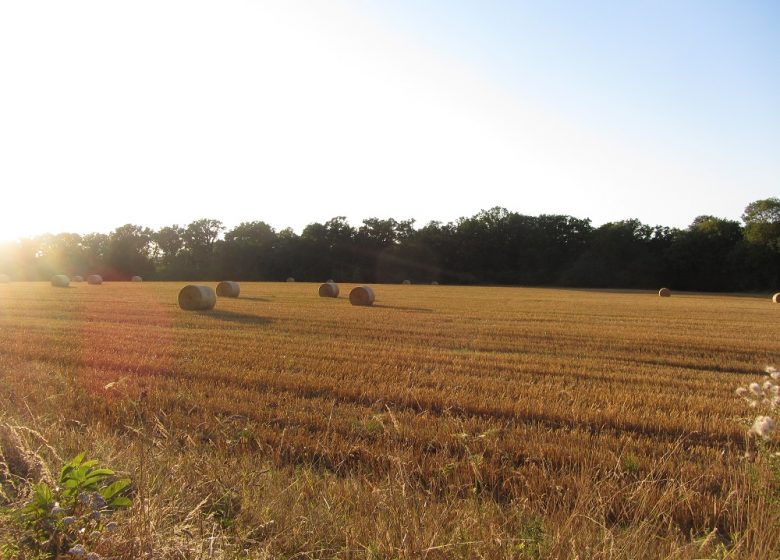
<point>362,295</point>
<point>60,281</point>
<point>197,298</point>
<point>4,279</point>
<point>94,279</point>
<point>665,292</point>
<point>228,289</point>
<point>329,289</point>
<point>434,283</point>
<point>329,281</point>
<point>136,279</point>
<point>78,278</point>
<point>291,279</point>
<point>406,282</point>
<point>776,298</point>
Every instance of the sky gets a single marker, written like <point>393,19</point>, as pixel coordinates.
<point>291,112</point>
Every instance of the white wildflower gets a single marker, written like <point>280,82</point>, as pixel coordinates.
<point>763,426</point>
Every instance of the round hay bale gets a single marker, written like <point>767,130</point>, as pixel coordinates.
<point>78,278</point>
<point>329,289</point>
<point>434,283</point>
<point>197,298</point>
<point>291,279</point>
<point>665,292</point>
<point>94,279</point>
<point>60,281</point>
<point>776,298</point>
<point>406,282</point>
<point>136,279</point>
<point>4,279</point>
<point>228,289</point>
<point>362,295</point>
<point>330,281</point>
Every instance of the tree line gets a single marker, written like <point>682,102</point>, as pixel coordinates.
<point>494,246</point>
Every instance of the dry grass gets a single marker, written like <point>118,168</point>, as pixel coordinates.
<point>443,422</point>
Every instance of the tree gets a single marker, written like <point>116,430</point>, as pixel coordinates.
<point>623,254</point>
<point>200,238</point>
<point>328,250</point>
<point>95,250</point>
<point>60,254</point>
<point>168,241</point>
<point>247,251</point>
<point>201,235</point>
<point>762,234</point>
<point>762,223</point>
<point>129,252</point>
<point>378,247</point>
<point>705,256</point>
<point>288,258</point>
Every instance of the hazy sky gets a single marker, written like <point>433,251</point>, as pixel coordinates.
<point>156,112</point>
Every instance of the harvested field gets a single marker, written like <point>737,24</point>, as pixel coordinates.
<point>441,422</point>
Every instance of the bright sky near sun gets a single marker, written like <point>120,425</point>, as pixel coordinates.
<point>161,112</point>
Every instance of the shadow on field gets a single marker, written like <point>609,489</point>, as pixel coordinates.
<point>254,298</point>
<point>233,317</point>
<point>403,308</point>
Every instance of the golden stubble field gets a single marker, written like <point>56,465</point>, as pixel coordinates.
<point>442,422</point>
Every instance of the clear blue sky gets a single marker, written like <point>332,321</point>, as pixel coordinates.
<point>699,79</point>
<point>293,111</point>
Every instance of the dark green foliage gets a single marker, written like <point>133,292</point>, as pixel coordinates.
<point>75,512</point>
<point>494,246</point>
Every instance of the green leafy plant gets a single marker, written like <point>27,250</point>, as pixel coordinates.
<point>531,540</point>
<point>75,515</point>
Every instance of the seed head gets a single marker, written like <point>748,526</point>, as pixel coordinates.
<point>77,550</point>
<point>763,426</point>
